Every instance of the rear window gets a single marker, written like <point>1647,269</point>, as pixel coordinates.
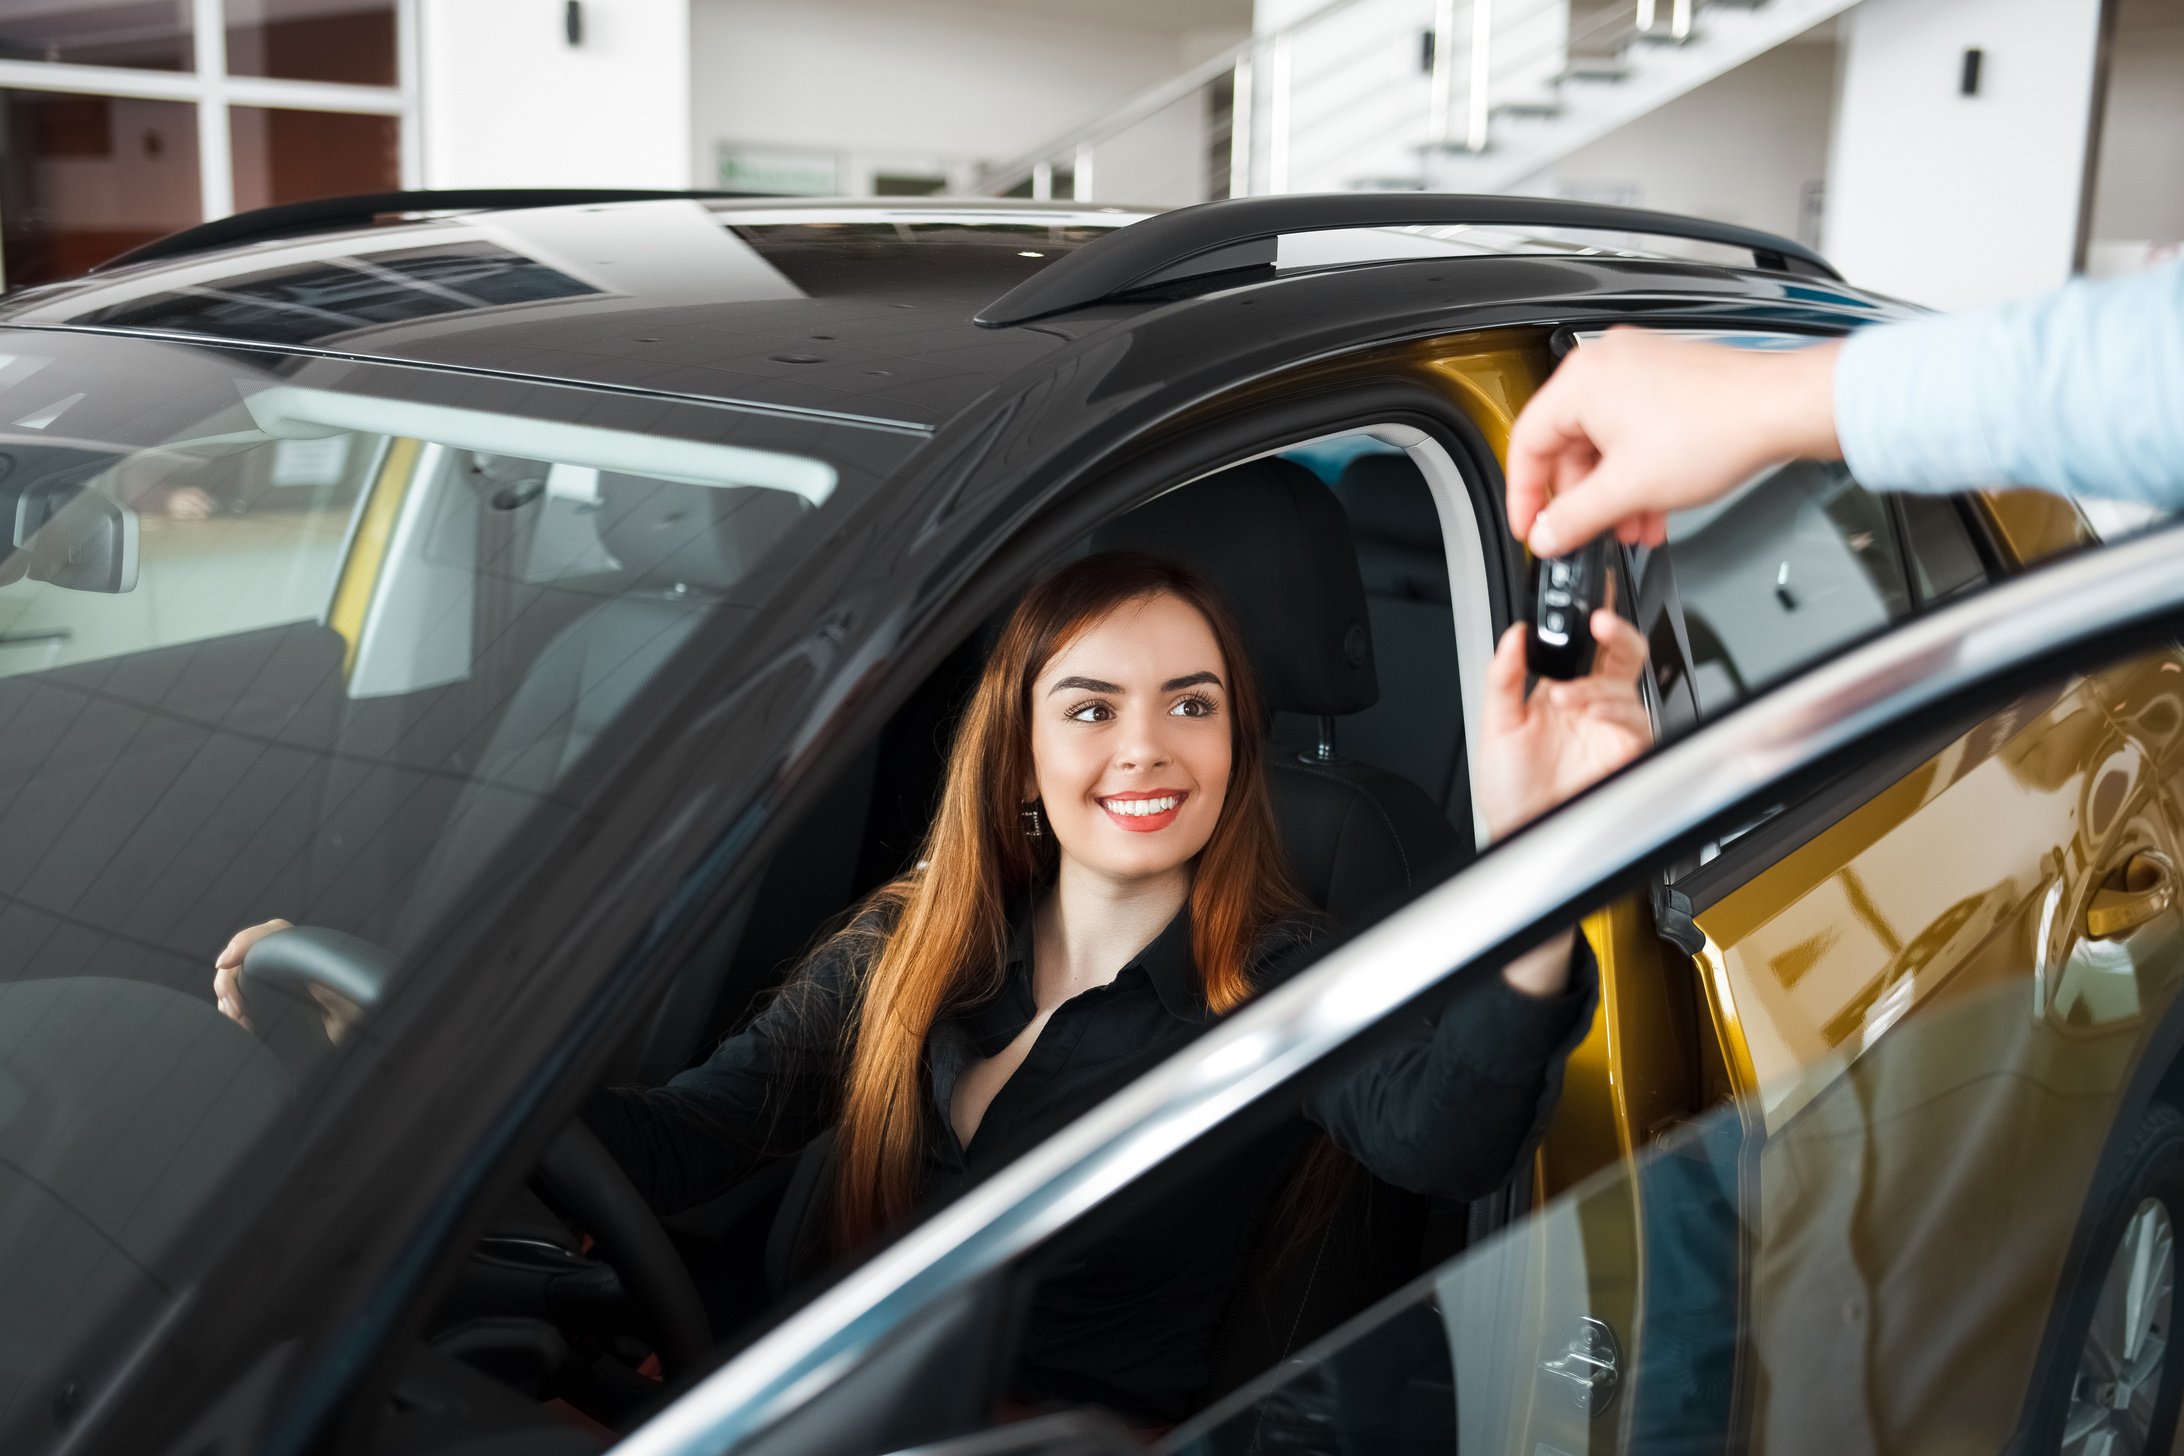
<point>308,639</point>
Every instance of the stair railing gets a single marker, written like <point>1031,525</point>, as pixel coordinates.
<point>1287,108</point>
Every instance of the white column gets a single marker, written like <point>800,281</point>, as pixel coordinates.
<point>215,144</point>
<point>1955,200</point>
<point>508,102</point>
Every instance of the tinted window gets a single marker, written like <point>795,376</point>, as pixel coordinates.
<point>1943,558</point>
<point>1795,566</point>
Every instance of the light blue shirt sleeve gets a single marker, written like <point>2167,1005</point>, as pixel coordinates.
<point>2080,391</point>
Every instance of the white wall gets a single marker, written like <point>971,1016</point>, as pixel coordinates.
<point>507,102</point>
<point>1951,200</point>
<point>1742,148</point>
<point>941,83</point>
<point>2139,187</point>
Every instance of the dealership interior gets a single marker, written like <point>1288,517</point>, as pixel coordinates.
<point>1949,152</point>
<point>889,727</point>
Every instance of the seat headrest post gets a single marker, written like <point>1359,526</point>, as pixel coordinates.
<point>1325,753</point>
<point>1273,540</point>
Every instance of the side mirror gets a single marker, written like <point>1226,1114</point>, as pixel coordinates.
<point>59,530</point>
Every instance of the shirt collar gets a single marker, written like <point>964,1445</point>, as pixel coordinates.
<point>1166,962</point>
<point>1169,964</point>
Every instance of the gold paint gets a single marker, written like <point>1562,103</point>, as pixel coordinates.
<point>1869,914</point>
<point>2034,524</point>
<point>359,577</point>
<point>1790,966</point>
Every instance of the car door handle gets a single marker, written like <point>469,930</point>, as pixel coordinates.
<point>2148,888</point>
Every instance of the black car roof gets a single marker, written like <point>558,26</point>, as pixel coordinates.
<point>861,309</point>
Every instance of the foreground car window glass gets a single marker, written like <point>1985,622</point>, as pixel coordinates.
<point>288,639</point>
<point>1965,1241</point>
<point>1893,1152</point>
<point>1896,1154</point>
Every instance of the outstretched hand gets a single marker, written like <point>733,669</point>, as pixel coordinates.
<point>1633,425</point>
<point>1542,747</point>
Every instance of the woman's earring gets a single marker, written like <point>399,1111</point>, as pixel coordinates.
<point>1034,825</point>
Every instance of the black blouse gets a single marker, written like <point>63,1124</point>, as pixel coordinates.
<point>1126,1320</point>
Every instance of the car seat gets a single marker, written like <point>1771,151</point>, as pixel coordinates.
<point>1274,542</point>
<point>679,548</point>
<point>1416,729</point>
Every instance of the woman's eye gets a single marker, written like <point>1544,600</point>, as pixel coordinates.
<point>1194,706</point>
<point>1090,713</point>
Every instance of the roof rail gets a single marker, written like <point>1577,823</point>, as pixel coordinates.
<point>262,223</point>
<point>1214,237</point>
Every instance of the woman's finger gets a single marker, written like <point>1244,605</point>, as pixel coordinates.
<point>1504,708</point>
<point>1619,652</point>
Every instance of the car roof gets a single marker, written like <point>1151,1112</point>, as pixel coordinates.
<point>859,308</point>
<point>862,310</point>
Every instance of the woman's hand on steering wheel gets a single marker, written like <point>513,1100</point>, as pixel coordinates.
<point>227,971</point>
<point>337,1012</point>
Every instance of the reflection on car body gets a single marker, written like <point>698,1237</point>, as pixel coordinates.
<point>598,637</point>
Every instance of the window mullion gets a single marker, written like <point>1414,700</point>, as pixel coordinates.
<point>215,149</point>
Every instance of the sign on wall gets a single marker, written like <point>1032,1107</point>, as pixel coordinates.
<point>796,171</point>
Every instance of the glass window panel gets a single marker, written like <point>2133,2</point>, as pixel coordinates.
<point>152,35</point>
<point>312,40</point>
<point>85,177</point>
<point>1780,576</point>
<point>308,637</point>
<point>294,156</point>
<point>1942,552</point>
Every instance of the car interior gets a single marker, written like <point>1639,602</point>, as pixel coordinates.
<point>1334,558</point>
<point>382,783</point>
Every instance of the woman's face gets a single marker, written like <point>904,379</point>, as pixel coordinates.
<point>1130,740</point>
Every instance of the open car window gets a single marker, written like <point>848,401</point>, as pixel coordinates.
<point>1942,1201</point>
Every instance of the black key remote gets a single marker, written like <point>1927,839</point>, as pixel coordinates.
<point>1564,592</point>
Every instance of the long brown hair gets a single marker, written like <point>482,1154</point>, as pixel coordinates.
<point>949,939</point>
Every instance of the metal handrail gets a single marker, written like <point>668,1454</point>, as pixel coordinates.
<point>1497,905</point>
<point>1241,60</point>
<point>1146,104</point>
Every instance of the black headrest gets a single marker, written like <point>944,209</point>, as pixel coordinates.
<point>1398,529</point>
<point>1273,541</point>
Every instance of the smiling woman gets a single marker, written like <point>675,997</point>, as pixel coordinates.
<point>1102,879</point>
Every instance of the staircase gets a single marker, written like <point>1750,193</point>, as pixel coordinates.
<point>1441,95</point>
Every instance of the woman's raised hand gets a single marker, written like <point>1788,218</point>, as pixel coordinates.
<point>1543,747</point>
<point>227,970</point>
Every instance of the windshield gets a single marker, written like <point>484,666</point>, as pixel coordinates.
<point>305,639</point>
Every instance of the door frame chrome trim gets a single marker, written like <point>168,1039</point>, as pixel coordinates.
<point>1533,878</point>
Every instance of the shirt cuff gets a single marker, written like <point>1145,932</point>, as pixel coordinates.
<point>1526,1034</point>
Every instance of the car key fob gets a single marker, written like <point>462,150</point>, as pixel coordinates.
<point>1564,592</point>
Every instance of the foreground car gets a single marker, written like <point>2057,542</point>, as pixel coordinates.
<point>556,611</point>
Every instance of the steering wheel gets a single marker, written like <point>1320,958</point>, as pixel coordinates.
<point>577,1173</point>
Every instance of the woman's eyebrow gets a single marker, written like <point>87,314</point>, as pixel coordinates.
<point>1094,685</point>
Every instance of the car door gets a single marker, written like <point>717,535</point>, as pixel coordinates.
<point>1384,1382</point>
<point>1914,885</point>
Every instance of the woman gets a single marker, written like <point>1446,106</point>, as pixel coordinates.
<point>1102,878</point>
